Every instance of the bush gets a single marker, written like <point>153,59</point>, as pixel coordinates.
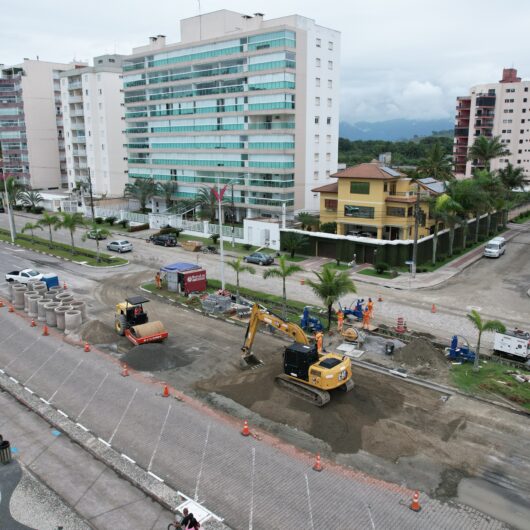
<point>98,220</point>
<point>37,209</point>
<point>123,223</point>
<point>28,208</point>
<point>381,267</point>
<point>329,228</point>
<point>247,246</point>
<point>138,228</point>
<point>111,220</point>
<point>170,230</point>
<point>18,207</point>
<point>214,238</point>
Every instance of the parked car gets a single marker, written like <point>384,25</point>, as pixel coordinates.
<point>95,234</point>
<point>23,276</point>
<point>120,246</point>
<point>166,240</point>
<point>495,248</point>
<point>259,258</point>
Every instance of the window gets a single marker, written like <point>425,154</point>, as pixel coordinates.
<point>317,101</point>
<point>395,211</point>
<point>100,106</point>
<point>315,175</point>
<point>330,102</point>
<point>319,43</point>
<point>525,100</point>
<point>358,211</point>
<point>328,173</point>
<point>317,120</point>
<point>317,157</point>
<point>100,91</point>
<point>86,92</point>
<point>317,138</point>
<point>330,65</point>
<point>331,204</point>
<point>328,157</point>
<point>317,62</point>
<point>328,138</point>
<point>362,188</point>
<point>328,120</point>
<point>317,81</point>
<point>330,83</point>
<point>330,45</point>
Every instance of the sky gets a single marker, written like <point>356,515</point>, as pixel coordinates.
<point>400,58</point>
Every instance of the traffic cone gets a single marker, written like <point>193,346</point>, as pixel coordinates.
<point>1,303</point>
<point>415,504</point>
<point>65,287</point>
<point>87,347</point>
<point>246,430</point>
<point>433,308</point>
<point>11,309</point>
<point>33,323</point>
<point>165,392</point>
<point>125,371</point>
<point>318,464</point>
<point>45,330</point>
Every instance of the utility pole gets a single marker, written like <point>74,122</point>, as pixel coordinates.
<point>8,206</point>
<point>90,193</point>
<point>416,230</point>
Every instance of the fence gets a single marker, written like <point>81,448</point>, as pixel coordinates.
<point>237,231</point>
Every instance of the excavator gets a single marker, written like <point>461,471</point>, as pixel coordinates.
<point>307,374</point>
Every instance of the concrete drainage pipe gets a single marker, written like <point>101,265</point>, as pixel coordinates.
<point>72,320</point>
<point>41,309</point>
<point>27,294</point>
<point>79,305</point>
<point>59,315</point>
<point>51,319</point>
<point>18,296</point>
<point>32,305</point>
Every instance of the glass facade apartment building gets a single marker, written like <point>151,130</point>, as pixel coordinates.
<point>228,108</point>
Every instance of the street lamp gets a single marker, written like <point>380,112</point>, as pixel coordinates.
<point>8,206</point>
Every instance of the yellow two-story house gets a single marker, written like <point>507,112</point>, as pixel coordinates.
<point>373,200</point>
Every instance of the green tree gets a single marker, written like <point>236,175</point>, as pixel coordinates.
<point>49,220</point>
<point>293,241</point>
<point>437,164</point>
<point>484,150</point>
<point>307,220</point>
<point>436,216</point>
<point>98,233</point>
<point>207,201</point>
<point>70,222</point>
<point>472,199</point>
<point>481,326</point>
<point>512,177</point>
<point>142,190</point>
<point>331,286</point>
<point>167,190</point>
<point>14,189</point>
<point>449,211</point>
<point>30,198</point>
<point>492,188</point>
<point>283,271</point>
<point>30,227</point>
<point>238,266</point>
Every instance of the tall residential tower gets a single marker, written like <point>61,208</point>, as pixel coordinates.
<point>251,102</point>
<point>495,109</point>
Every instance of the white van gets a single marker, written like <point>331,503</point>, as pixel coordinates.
<point>495,248</point>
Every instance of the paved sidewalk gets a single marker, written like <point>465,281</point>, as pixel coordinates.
<point>88,487</point>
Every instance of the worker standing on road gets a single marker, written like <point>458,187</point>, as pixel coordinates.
<point>340,320</point>
<point>319,337</point>
<point>370,307</point>
<point>366,318</point>
<point>158,280</point>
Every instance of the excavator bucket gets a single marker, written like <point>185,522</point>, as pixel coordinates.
<point>249,361</point>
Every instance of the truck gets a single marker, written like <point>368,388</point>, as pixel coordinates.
<point>30,275</point>
<point>513,343</point>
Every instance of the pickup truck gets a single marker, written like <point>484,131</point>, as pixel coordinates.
<point>23,276</point>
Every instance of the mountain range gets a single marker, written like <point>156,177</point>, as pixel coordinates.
<point>393,130</point>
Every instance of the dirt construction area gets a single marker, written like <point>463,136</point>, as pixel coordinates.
<point>386,426</point>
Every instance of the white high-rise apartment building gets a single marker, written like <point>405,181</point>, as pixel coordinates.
<point>31,123</point>
<point>495,109</point>
<point>92,102</point>
<point>251,102</point>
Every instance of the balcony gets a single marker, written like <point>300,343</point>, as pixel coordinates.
<point>75,99</point>
<point>461,131</point>
<point>79,139</point>
<point>75,85</point>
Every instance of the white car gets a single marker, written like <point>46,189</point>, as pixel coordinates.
<point>120,246</point>
<point>495,248</point>
<point>24,276</point>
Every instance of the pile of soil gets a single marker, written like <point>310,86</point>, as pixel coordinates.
<point>421,356</point>
<point>96,332</point>
<point>154,357</point>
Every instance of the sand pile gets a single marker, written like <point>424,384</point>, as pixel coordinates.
<point>154,357</point>
<point>421,356</point>
<point>96,332</point>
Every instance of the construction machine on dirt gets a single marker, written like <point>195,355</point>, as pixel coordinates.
<point>307,374</point>
<point>132,321</point>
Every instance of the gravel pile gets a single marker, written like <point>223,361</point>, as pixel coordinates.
<point>154,357</point>
<point>420,355</point>
<point>96,332</point>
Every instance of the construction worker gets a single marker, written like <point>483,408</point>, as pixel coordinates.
<point>319,337</point>
<point>366,318</point>
<point>370,307</point>
<point>340,320</point>
<point>158,280</point>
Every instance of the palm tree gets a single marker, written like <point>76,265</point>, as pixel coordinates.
<point>142,190</point>
<point>331,286</point>
<point>484,150</point>
<point>30,227</point>
<point>167,190</point>
<point>435,214</point>
<point>207,201</point>
<point>449,213</point>
<point>240,267</point>
<point>49,220</point>
<point>307,220</point>
<point>70,222</point>
<point>472,198</point>
<point>511,177</point>
<point>481,326</point>
<point>98,233</point>
<point>14,190</point>
<point>436,164</point>
<point>283,271</point>
<point>293,241</point>
<point>492,189</point>
<point>30,198</point>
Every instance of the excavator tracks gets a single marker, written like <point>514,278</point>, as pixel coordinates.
<point>308,393</point>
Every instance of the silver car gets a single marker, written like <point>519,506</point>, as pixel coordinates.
<point>120,246</point>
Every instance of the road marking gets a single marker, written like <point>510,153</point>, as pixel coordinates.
<point>62,413</point>
<point>251,517</point>
<point>129,459</point>
<point>1,371</point>
<point>196,497</point>
<point>93,396</point>
<point>42,365</point>
<point>159,438</point>
<point>155,476</point>
<point>123,416</point>
<point>13,379</point>
<point>30,391</point>
<point>14,332</point>
<point>370,515</point>
<point>104,442</point>
<point>309,503</point>
<point>198,310</point>
<point>82,427</point>
<point>44,401</point>
<point>67,377</point>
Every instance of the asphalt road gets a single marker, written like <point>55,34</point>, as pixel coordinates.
<point>251,483</point>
